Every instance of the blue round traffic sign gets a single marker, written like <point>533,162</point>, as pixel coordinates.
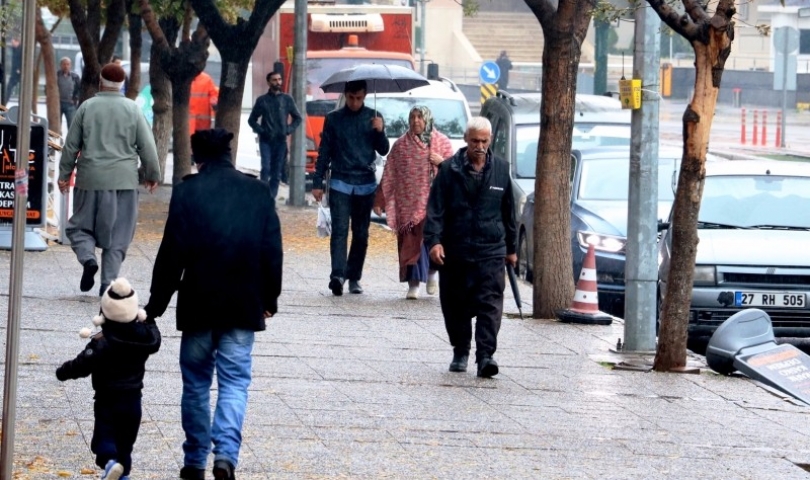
<point>490,72</point>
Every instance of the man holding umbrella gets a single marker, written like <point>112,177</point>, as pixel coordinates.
<point>352,137</point>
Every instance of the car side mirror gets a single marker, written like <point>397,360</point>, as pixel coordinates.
<point>662,225</point>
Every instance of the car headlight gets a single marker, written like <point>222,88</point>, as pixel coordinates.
<point>705,275</point>
<point>605,243</point>
<point>310,143</point>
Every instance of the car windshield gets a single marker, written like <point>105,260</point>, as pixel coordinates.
<point>449,116</point>
<point>609,179</point>
<point>585,135</point>
<point>756,201</point>
<point>319,69</point>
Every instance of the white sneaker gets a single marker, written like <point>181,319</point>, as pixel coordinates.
<point>432,287</point>
<point>413,293</point>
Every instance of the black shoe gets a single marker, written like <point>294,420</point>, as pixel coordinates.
<point>223,470</point>
<point>354,287</point>
<point>192,473</point>
<point>336,285</point>
<point>459,363</point>
<point>487,367</point>
<point>90,269</point>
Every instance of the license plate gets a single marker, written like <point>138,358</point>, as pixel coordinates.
<point>768,299</point>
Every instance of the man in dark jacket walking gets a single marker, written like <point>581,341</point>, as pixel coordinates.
<point>470,232</point>
<point>275,108</point>
<point>221,251</point>
<point>352,138</point>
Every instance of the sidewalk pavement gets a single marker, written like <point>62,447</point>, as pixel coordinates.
<point>357,387</point>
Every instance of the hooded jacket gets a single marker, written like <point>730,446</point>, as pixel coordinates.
<point>115,357</point>
<point>471,222</point>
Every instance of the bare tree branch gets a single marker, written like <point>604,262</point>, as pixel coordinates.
<point>676,21</point>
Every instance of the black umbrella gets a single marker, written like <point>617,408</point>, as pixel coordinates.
<point>379,77</point>
<point>515,290</point>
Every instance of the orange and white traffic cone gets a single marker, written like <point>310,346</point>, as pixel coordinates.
<point>585,305</point>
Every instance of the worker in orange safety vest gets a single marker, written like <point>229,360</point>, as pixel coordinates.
<point>201,104</point>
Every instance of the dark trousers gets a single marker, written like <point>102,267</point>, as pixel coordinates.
<point>343,208</point>
<point>68,110</point>
<point>470,289</point>
<point>273,157</point>
<point>117,421</point>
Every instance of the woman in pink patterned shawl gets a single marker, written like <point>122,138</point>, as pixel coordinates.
<point>403,194</point>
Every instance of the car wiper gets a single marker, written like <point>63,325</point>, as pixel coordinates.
<point>719,226</point>
<point>779,227</point>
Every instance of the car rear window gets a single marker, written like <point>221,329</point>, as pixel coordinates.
<point>449,115</point>
<point>609,179</point>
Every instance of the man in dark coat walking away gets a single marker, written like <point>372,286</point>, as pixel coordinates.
<point>470,232</point>
<point>221,251</point>
<point>352,137</point>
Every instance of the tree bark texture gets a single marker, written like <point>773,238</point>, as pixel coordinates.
<point>236,43</point>
<point>43,36</point>
<point>711,38</point>
<point>97,50</point>
<point>161,88</point>
<point>135,25</point>
<point>564,29</point>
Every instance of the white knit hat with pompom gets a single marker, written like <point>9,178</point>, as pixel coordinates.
<point>118,304</point>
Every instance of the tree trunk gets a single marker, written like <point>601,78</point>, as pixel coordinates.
<point>697,122</point>
<point>43,36</point>
<point>96,49</point>
<point>162,107</point>
<point>135,48</point>
<point>231,88</point>
<point>181,92</point>
<point>564,29</point>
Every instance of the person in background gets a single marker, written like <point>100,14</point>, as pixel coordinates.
<point>120,62</point>
<point>403,192</point>
<point>112,135</point>
<point>202,103</point>
<point>352,138</point>
<point>504,64</point>
<point>470,233</point>
<point>273,118</point>
<point>69,85</point>
<point>16,69</point>
<point>224,260</point>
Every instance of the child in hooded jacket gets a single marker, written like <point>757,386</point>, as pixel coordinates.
<point>115,359</point>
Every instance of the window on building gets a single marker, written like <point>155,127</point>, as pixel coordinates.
<point>804,42</point>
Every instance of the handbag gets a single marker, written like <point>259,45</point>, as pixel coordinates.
<point>323,226</point>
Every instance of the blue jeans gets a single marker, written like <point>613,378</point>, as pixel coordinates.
<point>345,208</point>
<point>273,155</point>
<point>68,110</point>
<point>200,352</point>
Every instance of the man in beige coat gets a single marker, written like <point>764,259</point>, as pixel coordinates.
<point>105,141</point>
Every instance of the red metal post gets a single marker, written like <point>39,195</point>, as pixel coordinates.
<point>742,126</point>
<point>756,115</point>
<point>778,142</point>
<point>764,127</point>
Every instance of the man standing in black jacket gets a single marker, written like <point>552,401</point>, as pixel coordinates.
<point>351,136</point>
<point>221,251</point>
<point>470,232</point>
<point>275,108</point>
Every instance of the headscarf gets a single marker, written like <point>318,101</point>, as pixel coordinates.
<point>424,112</point>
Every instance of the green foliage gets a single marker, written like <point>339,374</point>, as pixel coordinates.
<point>10,20</point>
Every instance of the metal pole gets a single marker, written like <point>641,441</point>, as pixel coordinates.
<point>298,154</point>
<point>641,267</point>
<point>784,85</point>
<point>422,42</point>
<point>18,243</point>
